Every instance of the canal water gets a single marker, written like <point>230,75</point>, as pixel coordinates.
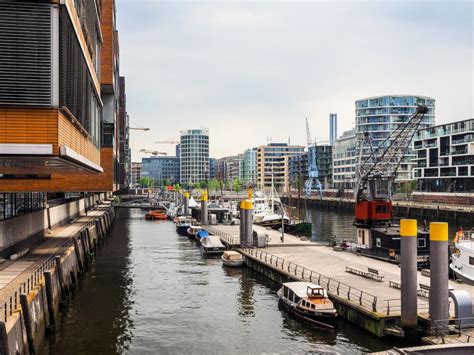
<point>150,291</point>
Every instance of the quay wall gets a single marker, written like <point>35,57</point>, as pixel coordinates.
<point>428,212</point>
<point>17,232</point>
<point>370,321</point>
<point>30,313</point>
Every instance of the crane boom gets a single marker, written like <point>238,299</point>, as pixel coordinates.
<point>375,175</point>
<point>152,152</point>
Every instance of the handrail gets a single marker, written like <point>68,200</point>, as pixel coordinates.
<point>230,239</point>
<point>11,303</point>
<point>442,327</point>
<point>336,287</point>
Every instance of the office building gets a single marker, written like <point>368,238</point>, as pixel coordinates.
<point>136,169</point>
<point>332,128</point>
<point>58,112</point>
<point>212,168</point>
<point>271,164</point>
<point>194,156</point>
<point>160,169</point>
<point>445,157</point>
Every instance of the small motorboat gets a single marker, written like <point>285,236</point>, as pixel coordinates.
<point>211,245</point>
<point>182,225</point>
<point>193,230</point>
<point>462,259</point>
<point>156,214</point>
<point>309,302</point>
<point>200,234</point>
<point>232,258</point>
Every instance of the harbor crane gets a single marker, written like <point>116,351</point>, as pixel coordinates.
<point>139,129</point>
<point>313,172</point>
<point>168,141</point>
<point>376,173</point>
<point>152,152</point>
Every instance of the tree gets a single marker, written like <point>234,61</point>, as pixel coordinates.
<point>236,185</point>
<point>408,187</point>
<point>145,181</point>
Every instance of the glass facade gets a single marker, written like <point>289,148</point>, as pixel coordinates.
<point>380,116</point>
<point>17,204</point>
<point>159,169</point>
<point>194,156</point>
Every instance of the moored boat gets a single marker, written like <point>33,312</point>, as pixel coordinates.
<point>156,214</point>
<point>211,244</point>
<point>182,225</point>
<point>192,231</point>
<point>308,302</point>
<point>232,258</point>
<point>461,259</point>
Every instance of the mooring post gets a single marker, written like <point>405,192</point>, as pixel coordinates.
<point>242,224</point>
<point>204,200</point>
<point>84,247</point>
<point>48,278</point>
<point>27,320</point>
<point>408,270</point>
<point>439,283</point>
<point>3,339</point>
<point>89,240</point>
<point>186,203</point>
<point>59,271</point>
<point>78,255</point>
<point>249,222</point>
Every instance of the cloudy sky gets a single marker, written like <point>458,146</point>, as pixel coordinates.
<point>253,70</point>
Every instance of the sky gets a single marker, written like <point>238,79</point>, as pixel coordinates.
<point>251,71</point>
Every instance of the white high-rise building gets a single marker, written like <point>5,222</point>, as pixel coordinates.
<point>194,155</point>
<point>332,128</point>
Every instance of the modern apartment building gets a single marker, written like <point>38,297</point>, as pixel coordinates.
<point>381,115</point>
<point>445,157</point>
<point>159,169</point>
<point>212,168</point>
<point>271,164</point>
<point>230,168</point>
<point>136,169</point>
<point>58,94</point>
<point>296,167</point>
<point>344,160</point>
<point>249,175</point>
<point>194,156</point>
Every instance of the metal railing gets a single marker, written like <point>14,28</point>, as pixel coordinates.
<point>444,327</point>
<point>333,286</point>
<point>228,238</point>
<point>11,303</point>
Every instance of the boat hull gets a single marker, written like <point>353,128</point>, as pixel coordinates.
<point>319,318</point>
<point>232,263</point>
<point>460,276</point>
<point>182,230</point>
<point>212,250</point>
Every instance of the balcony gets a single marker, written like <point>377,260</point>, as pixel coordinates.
<point>45,141</point>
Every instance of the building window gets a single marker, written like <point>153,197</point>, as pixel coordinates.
<point>422,243</point>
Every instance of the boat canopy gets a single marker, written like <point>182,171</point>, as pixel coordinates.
<point>305,289</point>
<point>192,202</point>
<point>202,233</point>
<point>212,241</point>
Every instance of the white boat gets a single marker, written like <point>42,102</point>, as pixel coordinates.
<point>232,258</point>
<point>308,302</point>
<point>462,262</point>
<point>193,231</point>
<point>264,210</point>
<point>211,244</point>
<point>182,225</point>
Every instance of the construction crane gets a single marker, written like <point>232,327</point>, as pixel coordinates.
<point>375,174</point>
<point>152,152</point>
<point>168,141</point>
<point>313,172</point>
<point>139,129</point>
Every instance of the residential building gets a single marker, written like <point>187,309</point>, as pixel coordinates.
<point>159,169</point>
<point>445,157</point>
<point>135,177</point>
<point>54,109</point>
<point>194,156</point>
<point>381,115</point>
<point>249,174</point>
<point>271,164</point>
<point>332,128</point>
<point>344,160</point>
<point>297,167</point>
<point>236,168</point>
<point>229,168</point>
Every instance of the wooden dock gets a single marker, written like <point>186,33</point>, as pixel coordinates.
<point>374,305</point>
